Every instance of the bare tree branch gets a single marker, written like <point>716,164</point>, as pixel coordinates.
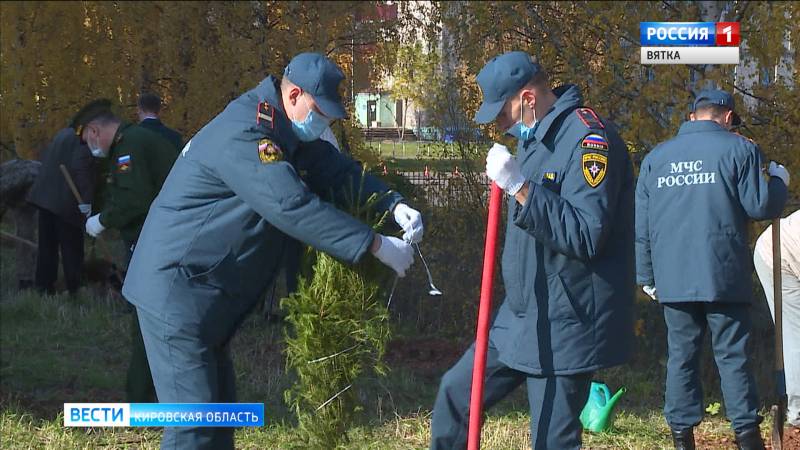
<point>670,6</point>
<point>746,92</point>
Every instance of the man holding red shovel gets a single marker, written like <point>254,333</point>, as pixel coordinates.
<point>568,262</point>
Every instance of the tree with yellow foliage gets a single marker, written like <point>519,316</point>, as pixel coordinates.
<point>198,56</point>
<point>596,46</point>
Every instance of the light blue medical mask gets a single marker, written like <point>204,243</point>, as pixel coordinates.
<point>521,131</point>
<point>312,127</point>
<point>97,152</point>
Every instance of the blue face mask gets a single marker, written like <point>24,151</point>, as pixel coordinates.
<point>311,127</point>
<point>96,150</point>
<point>521,131</point>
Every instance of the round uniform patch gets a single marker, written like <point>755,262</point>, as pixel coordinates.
<point>594,168</point>
<point>269,152</point>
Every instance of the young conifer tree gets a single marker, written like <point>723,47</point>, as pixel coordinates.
<point>336,335</point>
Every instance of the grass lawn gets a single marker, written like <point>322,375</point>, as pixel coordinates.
<point>412,149</point>
<point>58,349</point>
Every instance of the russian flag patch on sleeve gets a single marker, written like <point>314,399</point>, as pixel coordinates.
<point>594,142</point>
<point>124,163</point>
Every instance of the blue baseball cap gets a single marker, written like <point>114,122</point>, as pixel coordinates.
<point>716,97</point>
<point>502,77</point>
<point>320,77</point>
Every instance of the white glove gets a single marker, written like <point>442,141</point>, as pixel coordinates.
<point>410,220</point>
<point>777,170</point>
<point>651,291</point>
<point>395,253</point>
<point>93,226</point>
<point>502,168</point>
<point>85,209</point>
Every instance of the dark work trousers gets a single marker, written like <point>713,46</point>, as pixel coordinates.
<point>57,235</point>
<point>191,367</point>
<point>729,325</point>
<point>555,403</point>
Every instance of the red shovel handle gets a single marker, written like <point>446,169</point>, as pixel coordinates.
<point>484,310</point>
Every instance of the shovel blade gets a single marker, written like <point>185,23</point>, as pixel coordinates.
<point>778,415</point>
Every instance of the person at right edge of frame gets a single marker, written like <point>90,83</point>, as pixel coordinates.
<point>568,261</point>
<point>790,305</point>
<point>695,195</point>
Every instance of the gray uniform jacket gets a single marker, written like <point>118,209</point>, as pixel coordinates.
<point>568,262</point>
<point>215,235</point>
<point>695,196</point>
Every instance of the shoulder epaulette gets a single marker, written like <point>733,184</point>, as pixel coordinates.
<point>265,112</point>
<point>589,118</point>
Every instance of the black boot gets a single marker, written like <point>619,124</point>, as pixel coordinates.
<point>750,440</point>
<point>684,439</point>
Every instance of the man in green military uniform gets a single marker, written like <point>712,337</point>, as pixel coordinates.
<point>139,162</point>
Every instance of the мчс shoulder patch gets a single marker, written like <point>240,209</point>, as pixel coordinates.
<point>269,152</point>
<point>124,163</point>
<point>594,142</point>
<point>589,118</point>
<point>594,168</point>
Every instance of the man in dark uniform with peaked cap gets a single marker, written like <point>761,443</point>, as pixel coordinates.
<point>245,184</point>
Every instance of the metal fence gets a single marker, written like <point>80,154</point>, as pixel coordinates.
<point>407,149</point>
<point>448,189</point>
<point>453,188</point>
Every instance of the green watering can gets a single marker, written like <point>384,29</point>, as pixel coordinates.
<point>598,414</point>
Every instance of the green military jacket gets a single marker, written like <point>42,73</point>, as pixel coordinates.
<point>139,162</point>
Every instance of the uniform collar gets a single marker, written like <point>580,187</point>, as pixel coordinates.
<point>569,97</point>
<point>153,118</point>
<point>699,126</point>
<point>120,133</point>
<point>269,91</point>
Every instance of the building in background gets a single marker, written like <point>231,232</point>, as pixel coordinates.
<point>377,112</point>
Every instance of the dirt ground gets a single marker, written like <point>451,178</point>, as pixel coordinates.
<point>791,439</point>
<point>426,357</point>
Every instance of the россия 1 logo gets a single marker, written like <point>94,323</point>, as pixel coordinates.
<point>689,42</point>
